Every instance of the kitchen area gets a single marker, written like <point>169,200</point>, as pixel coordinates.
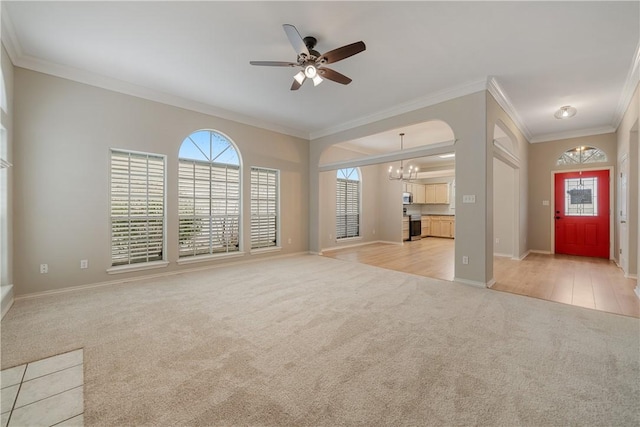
<point>428,208</point>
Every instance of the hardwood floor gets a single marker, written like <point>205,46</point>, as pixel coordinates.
<point>587,282</point>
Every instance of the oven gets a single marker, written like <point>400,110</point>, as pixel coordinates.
<point>415,227</point>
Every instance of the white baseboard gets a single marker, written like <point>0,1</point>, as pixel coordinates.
<point>521,257</point>
<point>536,251</point>
<point>7,299</point>
<point>333,248</point>
<point>503,255</point>
<point>631,276</point>
<point>473,282</point>
<point>152,276</point>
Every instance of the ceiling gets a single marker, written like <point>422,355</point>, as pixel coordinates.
<point>537,56</point>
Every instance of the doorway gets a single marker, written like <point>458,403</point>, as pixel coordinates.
<point>582,214</point>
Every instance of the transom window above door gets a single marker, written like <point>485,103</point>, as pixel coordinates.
<point>581,155</point>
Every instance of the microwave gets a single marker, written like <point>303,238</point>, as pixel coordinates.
<point>407,198</point>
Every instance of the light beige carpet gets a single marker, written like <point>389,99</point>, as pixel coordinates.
<point>312,341</point>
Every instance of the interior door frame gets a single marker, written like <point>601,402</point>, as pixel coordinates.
<point>612,208</point>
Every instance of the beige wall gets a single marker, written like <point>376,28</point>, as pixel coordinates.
<point>518,162</point>
<point>504,209</point>
<point>627,141</point>
<point>542,162</point>
<point>63,133</point>
<point>467,118</point>
<point>6,223</point>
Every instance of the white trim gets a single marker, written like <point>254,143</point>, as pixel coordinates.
<point>472,282</point>
<point>209,257</point>
<point>537,251</point>
<point>432,99</point>
<point>631,276</point>
<point>503,255</point>
<point>629,88</point>
<point>521,257</point>
<point>120,86</point>
<point>147,277</point>
<point>334,248</point>
<point>137,267</point>
<point>6,298</point>
<point>491,282</point>
<point>579,133</point>
<point>258,251</point>
<point>503,100</point>
<point>9,36</point>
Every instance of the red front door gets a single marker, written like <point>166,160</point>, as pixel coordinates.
<point>582,213</point>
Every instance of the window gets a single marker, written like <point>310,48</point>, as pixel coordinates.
<point>137,207</point>
<point>347,203</point>
<point>581,196</point>
<point>208,195</point>
<point>581,155</point>
<point>264,208</point>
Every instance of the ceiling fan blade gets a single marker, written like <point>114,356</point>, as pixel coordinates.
<point>330,74</point>
<point>296,85</point>
<point>343,52</point>
<point>273,63</point>
<point>295,39</point>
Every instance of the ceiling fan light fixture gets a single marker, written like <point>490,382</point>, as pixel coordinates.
<point>300,77</point>
<point>310,71</point>
<point>565,112</point>
<point>317,80</point>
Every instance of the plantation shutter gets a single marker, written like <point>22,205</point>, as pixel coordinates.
<point>347,208</point>
<point>137,207</point>
<point>209,207</point>
<point>264,208</point>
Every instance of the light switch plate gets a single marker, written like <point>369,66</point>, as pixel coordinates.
<point>545,203</point>
<point>469,198</point>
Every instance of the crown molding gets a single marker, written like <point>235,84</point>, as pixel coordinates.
<point>503,100</point>
<point>579,133</point>
<point>633,77</point>
<point>433,99</point>
<point>8,35</point>
<point>109,83</point>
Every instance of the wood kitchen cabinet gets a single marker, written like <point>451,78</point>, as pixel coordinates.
<point>405,228</point>
<point>425,226</point>
<point>442,226</point>
<point>417,190</point>
<point>436,193</point>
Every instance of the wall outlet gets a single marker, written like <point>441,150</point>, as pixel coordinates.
<point>84,263</point>
<point>330,236</point>
<point>374,231</point>
<point>44,268</point>
<point>289,240</point>
<point>465,260</point>
<point>497,240</point>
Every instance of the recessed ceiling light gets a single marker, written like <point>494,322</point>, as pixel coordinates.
<point>447,156</point>
<point>565,112</point>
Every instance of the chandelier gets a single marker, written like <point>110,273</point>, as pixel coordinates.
<point>401,174</point>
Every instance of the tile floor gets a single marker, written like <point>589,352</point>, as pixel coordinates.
<point>47,392</point>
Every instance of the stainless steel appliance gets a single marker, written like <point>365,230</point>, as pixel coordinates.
<point>407,198</point>
<point>415,227</point>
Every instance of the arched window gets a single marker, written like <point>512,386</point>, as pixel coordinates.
<point>347,203</point>
<point>581,155</point>
<point>208,195</point>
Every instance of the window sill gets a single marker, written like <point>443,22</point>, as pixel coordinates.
<point>264,250</point>
<point>204,258</point>
<point>137,267</point>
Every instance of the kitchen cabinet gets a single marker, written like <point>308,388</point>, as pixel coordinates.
<point>425,226</point>
<point>417,190</point>
<point>405,228</point>
<point>442,226</point>
<point>436,193</point>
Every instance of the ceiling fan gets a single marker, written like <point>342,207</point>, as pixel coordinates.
<point>311,61</point>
